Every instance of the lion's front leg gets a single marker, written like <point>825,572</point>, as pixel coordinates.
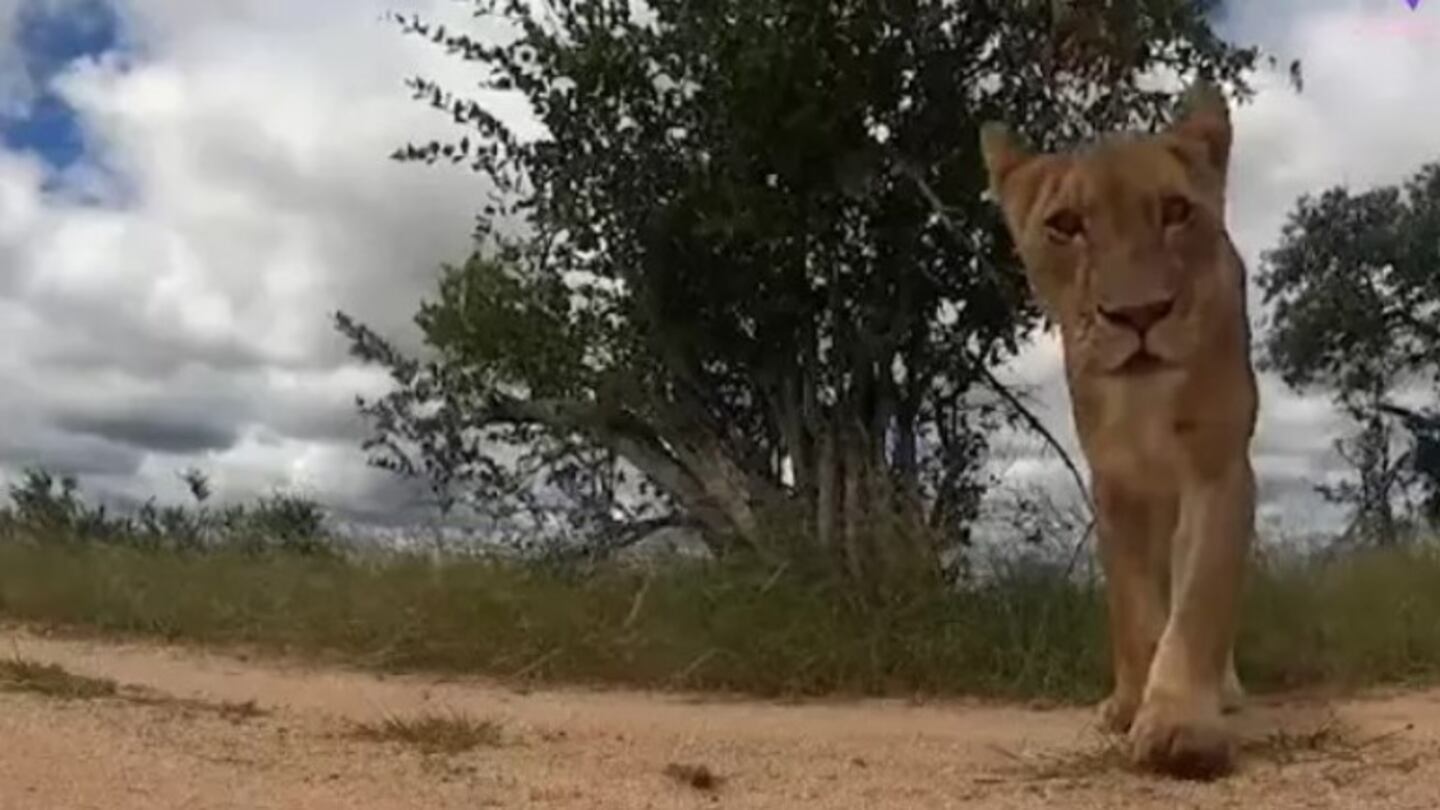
<point>1134,533</point>
<point>1179,728</point>
<point>1232,692</point>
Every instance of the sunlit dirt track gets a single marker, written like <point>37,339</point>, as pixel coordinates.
<point>179,748</point>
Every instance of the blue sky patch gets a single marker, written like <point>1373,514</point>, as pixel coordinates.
<point>50,37</point>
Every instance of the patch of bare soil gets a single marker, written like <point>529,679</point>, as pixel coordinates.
<point>195,730</point>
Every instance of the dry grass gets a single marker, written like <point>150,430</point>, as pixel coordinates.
<point>19,674</point>
<point>236,711</point>
<point>23,675</point>
<point>1329,741</point>
<point>1286,747</point>
<point>433,733</point>
<point>1069,765</point>
<point>239,711</point>
<point>699,777</point>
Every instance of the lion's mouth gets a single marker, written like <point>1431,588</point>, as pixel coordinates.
<point>1140,363</point>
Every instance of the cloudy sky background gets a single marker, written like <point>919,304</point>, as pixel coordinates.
<point>189,189</point>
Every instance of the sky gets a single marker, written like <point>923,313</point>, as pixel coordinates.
<point>189,190</point>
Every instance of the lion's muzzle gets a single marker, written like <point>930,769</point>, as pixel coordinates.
<point>1138,318</point>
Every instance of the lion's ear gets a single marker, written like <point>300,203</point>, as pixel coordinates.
<point>1003,153</point>
<point>1205,117</point>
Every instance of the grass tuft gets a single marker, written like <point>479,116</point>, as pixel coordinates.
<point>1279,748</point>
<point>236,711</point>
<point>699,777</point>
<point>240,711</point>
<point>51,680</point>
<point>435,733</point>
<point>1283,747</point>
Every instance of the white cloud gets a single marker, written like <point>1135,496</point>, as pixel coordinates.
<point>187,317</point>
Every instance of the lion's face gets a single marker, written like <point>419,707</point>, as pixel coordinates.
<point>1124,242</point>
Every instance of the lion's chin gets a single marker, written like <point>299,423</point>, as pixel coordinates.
<point>1140,363</point>
<point>1124,354</point>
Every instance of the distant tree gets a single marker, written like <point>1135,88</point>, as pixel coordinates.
<point>197,483</point>
<point>1378,478</point>
<point>49,509</point>
<point>1355,291</point>
<point>750,266</point>
<point>48,505</point>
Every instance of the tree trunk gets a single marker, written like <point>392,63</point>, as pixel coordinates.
<point>827,496</point>
<point>871,525</point>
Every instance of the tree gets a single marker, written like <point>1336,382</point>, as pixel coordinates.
<point>1355,290</point>
<point>1381,476</point>
<point>750,265</point>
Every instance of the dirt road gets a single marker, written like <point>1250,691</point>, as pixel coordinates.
<point>182,733</point>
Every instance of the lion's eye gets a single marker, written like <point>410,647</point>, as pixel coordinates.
<point>1065,225</point>
<point>1174,210</point>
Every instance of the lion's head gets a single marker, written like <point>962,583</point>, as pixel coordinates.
<point>1124,241</point>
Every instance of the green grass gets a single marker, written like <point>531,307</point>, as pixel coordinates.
<point>434,733</point>
<point>1372,617</point>
<point>703,628</point>
<point>1367,619</point>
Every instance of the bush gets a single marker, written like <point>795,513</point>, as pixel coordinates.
<point>47,509</point>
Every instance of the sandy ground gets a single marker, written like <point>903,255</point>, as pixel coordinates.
<point>578,749</point>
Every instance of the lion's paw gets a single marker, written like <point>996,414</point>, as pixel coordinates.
<point>1117,712</point>
<point>1172,739</point>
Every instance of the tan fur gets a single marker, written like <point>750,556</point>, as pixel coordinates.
<point>1167,436</point>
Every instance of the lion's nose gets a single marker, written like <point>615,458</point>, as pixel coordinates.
<point>1139,318</point>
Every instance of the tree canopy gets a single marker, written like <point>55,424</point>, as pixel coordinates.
<point>1355,290</point>
<point>749,279</point>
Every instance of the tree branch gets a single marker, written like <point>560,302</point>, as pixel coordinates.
<point>639,444</point>
<point>1035,423</point>
<point>1011,399</point>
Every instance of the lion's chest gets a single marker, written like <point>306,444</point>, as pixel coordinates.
<point>1131,430</point>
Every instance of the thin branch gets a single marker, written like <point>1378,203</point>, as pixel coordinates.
<point>638,602</point>
<point>1010,398</point>
<point>940,209</point>
<point>1036,424</point>
<point>1079,546</point>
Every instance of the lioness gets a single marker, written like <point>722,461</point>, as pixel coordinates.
<point>1124,245</point>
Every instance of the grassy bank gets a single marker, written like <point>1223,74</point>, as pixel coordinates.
<point>1370,618</point>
